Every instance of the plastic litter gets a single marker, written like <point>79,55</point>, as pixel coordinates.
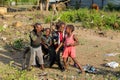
<point>90,69</point>
<point>112,64</point>
<point>112,54</point>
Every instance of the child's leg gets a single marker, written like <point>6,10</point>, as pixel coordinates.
<point>75,61</point>
<point>52,56</point>
<point>40,56</point>
<point>59,61</point>
<point>65,62</point>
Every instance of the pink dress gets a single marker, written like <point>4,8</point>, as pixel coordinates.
<point>69,51</point>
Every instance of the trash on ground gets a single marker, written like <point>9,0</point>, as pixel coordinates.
<point>90,69</point>
<point>112,64</point>
<point>43,74</point>
<point>112,54</point>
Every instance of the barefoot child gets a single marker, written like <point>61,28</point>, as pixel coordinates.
<point>58,38</point>
<point>35,38</point>
<point>69,46</point>
<point>47,46</point>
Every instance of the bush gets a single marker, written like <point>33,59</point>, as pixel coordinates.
<point>89,18</point>
<point>18,44</point>
<point>112,7</point>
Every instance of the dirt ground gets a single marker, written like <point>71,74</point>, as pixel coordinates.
<point>93,46</point>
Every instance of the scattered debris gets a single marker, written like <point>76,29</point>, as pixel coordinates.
<point>3,38</point>
<point>42,74</point>
<point>112,54</point>
<point>2,49</point>
<point>106,59</point>
<point>3,10</point>
<point>17,24</point>
<point>90,69</point>
<point>112,64</point>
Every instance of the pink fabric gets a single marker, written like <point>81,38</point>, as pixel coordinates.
<point>69,51</point>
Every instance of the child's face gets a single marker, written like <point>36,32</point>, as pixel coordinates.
<point>47,32</point>
<point>62,27</point>
<point>38,28</point>
<point>68,30</point>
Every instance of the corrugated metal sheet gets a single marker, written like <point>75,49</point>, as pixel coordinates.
<point>87,3</point>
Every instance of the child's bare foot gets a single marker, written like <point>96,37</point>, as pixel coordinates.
<point>79,71</point>
<point>83,72</point>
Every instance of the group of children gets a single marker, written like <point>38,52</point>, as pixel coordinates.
<point>54,42</point>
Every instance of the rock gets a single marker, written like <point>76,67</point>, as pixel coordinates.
<point>3,38</point>
<point>96,55</point>
<point>116,25</point>
<point>2,49</point>
<point>22,17</point>
<point>3,10</point>
<point>106,59</point>
<point>17,24</point>
<point>5,26</point>
<point>101,33</point>
<point>96,46</point>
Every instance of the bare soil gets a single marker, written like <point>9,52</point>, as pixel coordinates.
<point>93,46</point>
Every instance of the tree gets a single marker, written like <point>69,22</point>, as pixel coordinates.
<point>44,2</point>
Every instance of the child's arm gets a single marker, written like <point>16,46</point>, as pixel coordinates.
<point>59,47</point>
<point>76,40</point>
<point>43,43</point>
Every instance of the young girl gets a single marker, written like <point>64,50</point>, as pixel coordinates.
<point>69,46</point>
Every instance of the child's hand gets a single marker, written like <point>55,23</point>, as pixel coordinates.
<point>46,46</point>
<point>57,50</point>
<point>68,45</point>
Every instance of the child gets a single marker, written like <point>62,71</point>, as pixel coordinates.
<point>69,46</point>
<point>47,45</point>
<point>58,38</point>
<point>35,38</point>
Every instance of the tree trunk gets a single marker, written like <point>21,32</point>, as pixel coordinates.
<point>41,5</point>
<point>47,5</point>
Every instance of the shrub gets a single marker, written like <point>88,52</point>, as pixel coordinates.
<point>18,44</point>
<point>89,18</point>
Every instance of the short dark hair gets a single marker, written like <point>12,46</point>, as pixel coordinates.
<point>36,24</point>
<point>71,27</point>
<point>47,29</point>
<point>59,24</point>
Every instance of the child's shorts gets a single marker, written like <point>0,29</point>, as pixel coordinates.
<point>69,52</point>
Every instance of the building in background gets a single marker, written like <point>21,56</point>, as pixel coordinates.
<point>80,3</point>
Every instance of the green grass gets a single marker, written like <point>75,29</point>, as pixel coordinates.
<point>89,18</point>
<point>11,73</point>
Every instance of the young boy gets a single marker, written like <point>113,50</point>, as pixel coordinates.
<point>47,45</point>
<point>35,38</point>
<point>58,38</point>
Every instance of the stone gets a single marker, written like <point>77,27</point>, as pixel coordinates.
<point>17,24</point>
<point>116,25</point>
<point>3,10</point>
<point>5,26</point>
<point>4,38</point>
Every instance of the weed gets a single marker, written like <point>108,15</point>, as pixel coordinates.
<point>89,18</point>
<point>18,44</point>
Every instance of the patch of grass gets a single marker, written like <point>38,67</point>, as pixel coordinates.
<point>2,28</point>
<point>18,44</point>
<point>11,73</point>
<point>89,18</point>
